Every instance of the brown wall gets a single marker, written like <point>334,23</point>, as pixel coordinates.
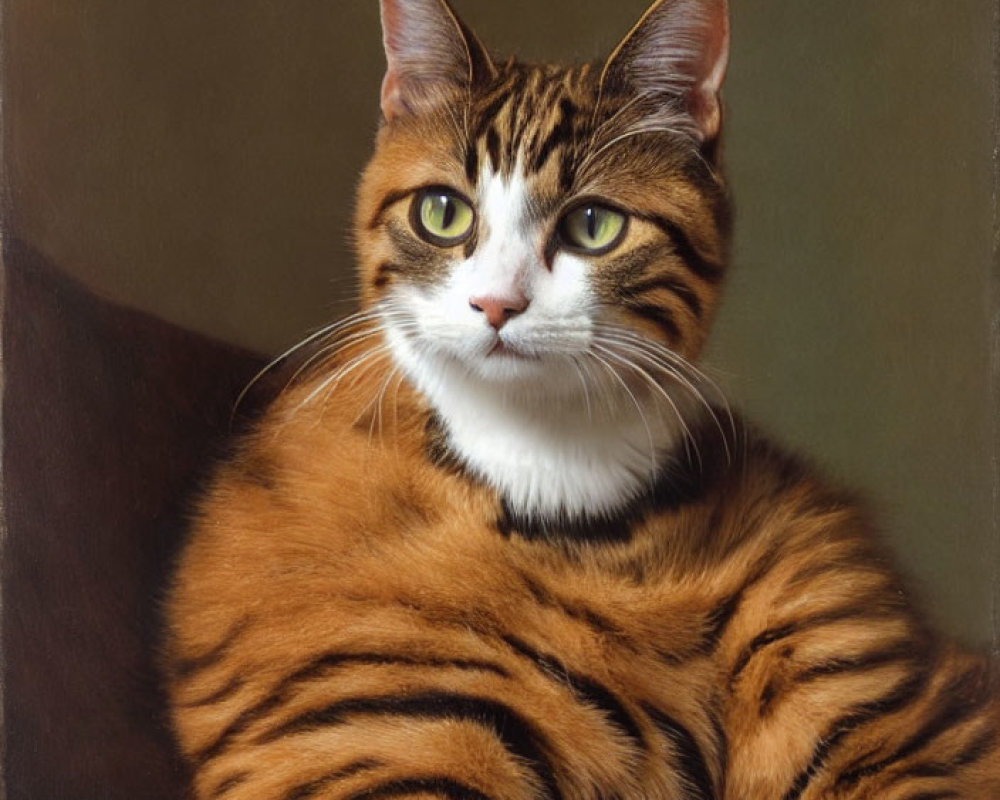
<point>198,157</point>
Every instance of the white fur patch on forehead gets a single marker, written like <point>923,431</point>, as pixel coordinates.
<point>508,250</point>
<point>503,199</point>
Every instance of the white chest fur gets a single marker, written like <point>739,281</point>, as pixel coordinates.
<point>575,454</point>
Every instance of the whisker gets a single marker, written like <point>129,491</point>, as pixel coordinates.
<point>324,331</point>
<point>335,378</point>
<point>380,397</point>
<point>583,382</point>
<point>688,435</point>
<point>652,359</point>
<point>656,350</point>
<point>599,129</point>
<point>628,135</point>
<point>638,408</point>
<point>330,351</point>
<point>340,343</point>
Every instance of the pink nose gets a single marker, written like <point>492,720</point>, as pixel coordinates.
<point>499,310</point>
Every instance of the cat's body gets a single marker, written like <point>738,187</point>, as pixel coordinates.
<point>496,542</point>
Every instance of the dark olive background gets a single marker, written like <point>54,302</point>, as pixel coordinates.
<point>198,159</point>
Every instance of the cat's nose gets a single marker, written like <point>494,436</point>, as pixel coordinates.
<point>499,309</point>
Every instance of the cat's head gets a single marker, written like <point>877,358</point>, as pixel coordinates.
<point>519,225</point>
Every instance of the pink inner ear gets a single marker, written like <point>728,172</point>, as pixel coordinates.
<point>391,100</point>
<point>704,108</point>
<point>710,70</point>
<point>715,53</point>
<point>391,27</point>
<point>393,105</point>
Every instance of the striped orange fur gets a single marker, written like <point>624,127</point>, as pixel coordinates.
<point>363,610</point>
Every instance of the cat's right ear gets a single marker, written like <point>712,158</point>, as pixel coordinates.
<point>431,54</point>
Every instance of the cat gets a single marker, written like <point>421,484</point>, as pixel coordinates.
<point>500,537</point>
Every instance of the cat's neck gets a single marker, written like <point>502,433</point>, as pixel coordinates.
<point>571,456</point>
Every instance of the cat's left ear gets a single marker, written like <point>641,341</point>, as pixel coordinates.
<point>680,48</point>
<point>430,53</point>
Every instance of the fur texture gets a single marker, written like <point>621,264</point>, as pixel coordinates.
<point>501,538</point>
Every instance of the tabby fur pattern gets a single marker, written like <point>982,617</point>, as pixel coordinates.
<point>500,538</point>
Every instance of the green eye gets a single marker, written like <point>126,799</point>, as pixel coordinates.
<point>441,217</point>
<point>593,229</point>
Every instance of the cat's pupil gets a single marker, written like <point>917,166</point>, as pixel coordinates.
<point>448,211</point>
<point>591,214</point>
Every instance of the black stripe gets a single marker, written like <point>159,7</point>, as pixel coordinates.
<point>390,199</point>
<point>719,618</point>
<point>864,609</point>
<point>597,621</point>
<point>495,103</point>
<point>600,623</point>
<point>686,251</point>
<point>900,651</point>
<point>692,761</point>
<point>233,686</point>
<point>471,162</point>
<point>442,787</point>
<point>471,243</point>
<point>977,748</point>
<point>582,528</point>
<point>585,689</point>
<point>234,780</point>
<point>567,171</point>
<point>383,273</point>
<point>905,693</point>
<point>721,741</point>
<point>521,738</point>
<point>767,697</point>
<point>485,118</point>
<point>761,641</point>
<point>186,667</point>
<point>441,455</point>
<point>314,669</point>
<point>329,661</point>
<point>561,133</point>
<point>927,771</point>
<point>617,277</point>
<point>313,787</point>
<point>493,148</point>
<point>675,286</point>
<point>659,316</point>
<point>955,703</point>
<point>904,651</point>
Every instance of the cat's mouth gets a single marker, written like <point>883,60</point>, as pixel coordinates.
<point>502,348</point>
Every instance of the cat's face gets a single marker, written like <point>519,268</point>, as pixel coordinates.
<point>526,225</point>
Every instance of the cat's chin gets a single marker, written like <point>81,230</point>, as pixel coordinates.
<point>501,350</point>
<point>505,373</point>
